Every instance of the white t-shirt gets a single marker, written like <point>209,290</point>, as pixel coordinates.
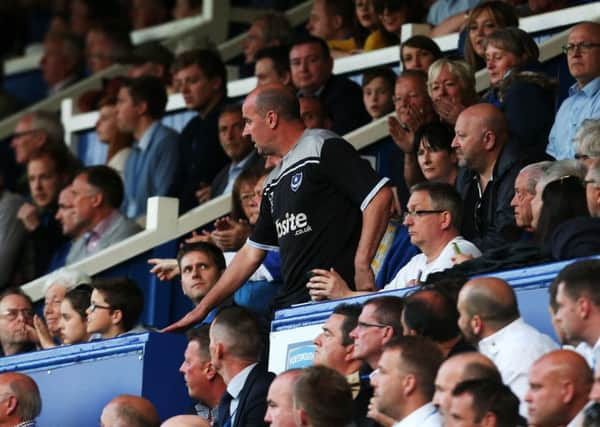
<point>419,268</point>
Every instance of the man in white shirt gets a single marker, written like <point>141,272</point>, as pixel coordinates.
<point>489,318</point>
<point>559,387</point>
<point>433,218</point>
<point>404,382</point>
<point>577,292</point>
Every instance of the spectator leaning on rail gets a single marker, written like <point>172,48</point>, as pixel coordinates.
<point>316,213</point>
<point>490,319</point>
<point>433,216</point>
<point>152,162</point>
<point>201,77</point>
<point>583,56</point>
<point>97,196</point>
<point>312,65</point>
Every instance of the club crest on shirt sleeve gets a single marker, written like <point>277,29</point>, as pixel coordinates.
<point>296,181</point>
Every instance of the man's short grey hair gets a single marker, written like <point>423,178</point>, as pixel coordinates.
<point>534,172</point>
<point>50,124</point>
<point>69,279</point>
<point>560,169</point>
<point>587,138</point>
<point>28,395</point>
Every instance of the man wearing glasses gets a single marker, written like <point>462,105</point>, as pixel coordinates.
<point>16,322</point>
<point>116,305</point>
<point>592,188</point>
<point>583,56</point>
<point>433,219</point>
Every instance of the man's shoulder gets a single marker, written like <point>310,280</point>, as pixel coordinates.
<point>340,86</point>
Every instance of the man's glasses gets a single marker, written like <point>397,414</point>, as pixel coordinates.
<point>419,213</point>
<point>93,306</point>
<point>13,313</point>
<point>365,325</point>
<point>570,48</point>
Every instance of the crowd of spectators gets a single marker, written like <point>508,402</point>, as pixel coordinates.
<point>463,183</point>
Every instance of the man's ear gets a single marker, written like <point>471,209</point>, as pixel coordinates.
<point>272,119</point>
<point>116,316</point>
<point>209,371</point>
<point>446,220</point>
<point>336,22</point>
<point>476,324</point>
<point>348,353</point>
<point>141,107</point>
<point>97,199</point>
<point>489,140</point>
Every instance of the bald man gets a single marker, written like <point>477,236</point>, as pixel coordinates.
<point>129,411</point>
<point>459,368</point>
<point>21,401</point>
<point>490,319</point>
<point>280,404</point>
<point>186,421</point>
<point>323,206</point>
<point>559,386</point>
<point>489,167</point>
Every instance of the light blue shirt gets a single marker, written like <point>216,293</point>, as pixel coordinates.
<point>234,171</point>
<point>582,103</point>
<point>443,9</point>
<point>149,169</point>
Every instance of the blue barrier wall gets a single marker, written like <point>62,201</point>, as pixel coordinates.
<point>77,381</point>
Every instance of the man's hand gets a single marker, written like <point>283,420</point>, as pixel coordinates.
<point>194,316</point>
<point>42,334</point>
<point>460,258</point>
<point>230,234</point>
<point>195,237</point>
<point>448,109</point>
<point>364,279</point>
<point>203,193</point>
<point>164,268</point>
<point>27,213</point>
<point>327,284</point>
<point>400,134</point>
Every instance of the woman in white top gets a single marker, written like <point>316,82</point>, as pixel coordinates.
<point>119,142</point>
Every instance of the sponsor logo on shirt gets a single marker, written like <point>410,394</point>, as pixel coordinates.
<point>296,181</point>
<point>292,223</point>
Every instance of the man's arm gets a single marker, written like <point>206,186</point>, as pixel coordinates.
<point>375,219</point>
<point>242,266</point>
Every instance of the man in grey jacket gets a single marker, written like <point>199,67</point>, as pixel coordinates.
<point>97,195</point>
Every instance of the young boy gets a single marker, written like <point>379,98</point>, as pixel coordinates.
<point>115,306</point>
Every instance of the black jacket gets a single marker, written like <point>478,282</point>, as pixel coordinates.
<point>489,219</point>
